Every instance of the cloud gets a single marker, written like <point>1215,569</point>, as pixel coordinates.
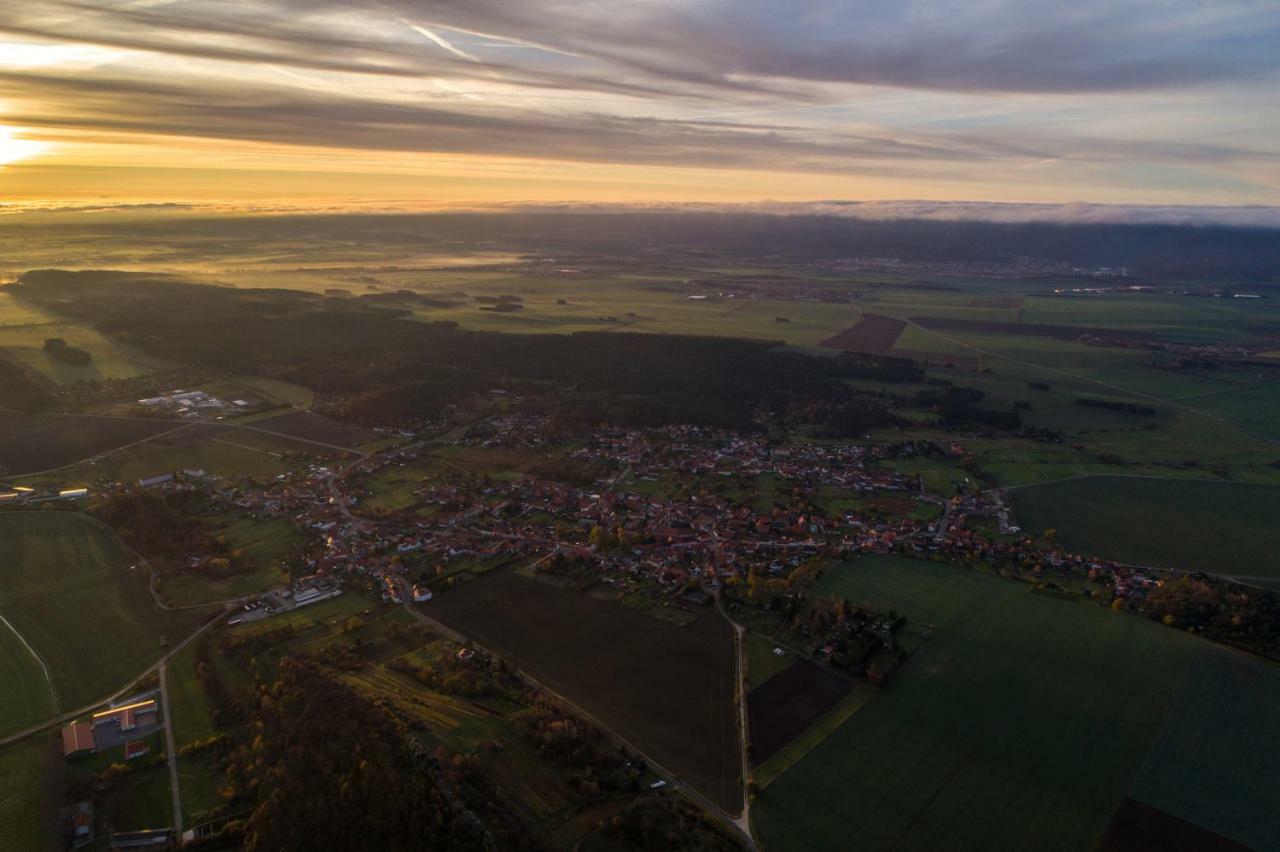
<point>257,113</point>
<point>915,89</point>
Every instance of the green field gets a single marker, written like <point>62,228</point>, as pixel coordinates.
<point>73,594</point>
<point>1217,527</point>
<point>762,663</point>
<point>25,768</point>
<point>24,328</point>
<point>266,542</point>
<point>1019,725</point>
<point>25,695</point>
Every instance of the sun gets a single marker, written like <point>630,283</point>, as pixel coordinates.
<point>13,149</point>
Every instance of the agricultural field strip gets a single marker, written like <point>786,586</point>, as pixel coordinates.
<point>53,695</point>
<point>1101,383</point>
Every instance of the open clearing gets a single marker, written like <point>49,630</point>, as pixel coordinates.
<point>1018,725</point>
<point>71,592</point>
<point>31,443</point>
<point>666,689</point>
<point>1218,527</point>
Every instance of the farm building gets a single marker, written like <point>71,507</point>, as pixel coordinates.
<point>154,838</point>
<point>126,718</point>
<point>158,479</point>
<point>77,738</point>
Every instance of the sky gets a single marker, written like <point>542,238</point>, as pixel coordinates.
<point>438,103</point>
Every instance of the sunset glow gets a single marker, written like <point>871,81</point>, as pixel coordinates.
<point>445,103</point>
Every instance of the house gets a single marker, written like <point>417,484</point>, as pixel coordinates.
<point>77,738</point>
<point>421,594</point>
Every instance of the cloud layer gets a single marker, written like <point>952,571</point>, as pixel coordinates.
<point>1163,95</point>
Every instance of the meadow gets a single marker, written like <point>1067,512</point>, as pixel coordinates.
<point>25,770</point>
<point>1019,724</point>
<point>80,601</point>
<point>1217,527</point>
<point>265,542</point>
<point>24,328</point>
<point>667,689</point>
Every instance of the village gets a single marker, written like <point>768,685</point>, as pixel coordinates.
<point>674,517</point>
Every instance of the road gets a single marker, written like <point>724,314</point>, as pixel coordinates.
<point>170,749</point>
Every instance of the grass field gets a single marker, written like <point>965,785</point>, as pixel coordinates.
<point>762,663</point>
<point>25,695</point>
<point>1018,725</point>
<point>667,689</point>
<point>1218,527</point>
<point>71,592</point>
<point>25,813</point>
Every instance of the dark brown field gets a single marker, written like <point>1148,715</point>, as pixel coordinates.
<point>1109,336</point>
<point>789,702</point>
<point>666,689</point>
<point>313,427</point>
<point>33,443</point>
<point>873,334</point>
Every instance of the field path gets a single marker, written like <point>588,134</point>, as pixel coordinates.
<point>740,700</point>
<point>53,695</point>
<point>171,751</point>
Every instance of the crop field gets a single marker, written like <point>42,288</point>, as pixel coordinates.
<point>1255,407</point>
<point>1057,332</point>
<point>1185,772</point>
<point>1019,724</point>
<point>667,689</point>
<point>874,334</point>
<point>1217,527</point>
<point>791,701</point>
<point>32,443</point>
<point>25,769</point>
<point>74,596</point>
<point>313,427</point>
